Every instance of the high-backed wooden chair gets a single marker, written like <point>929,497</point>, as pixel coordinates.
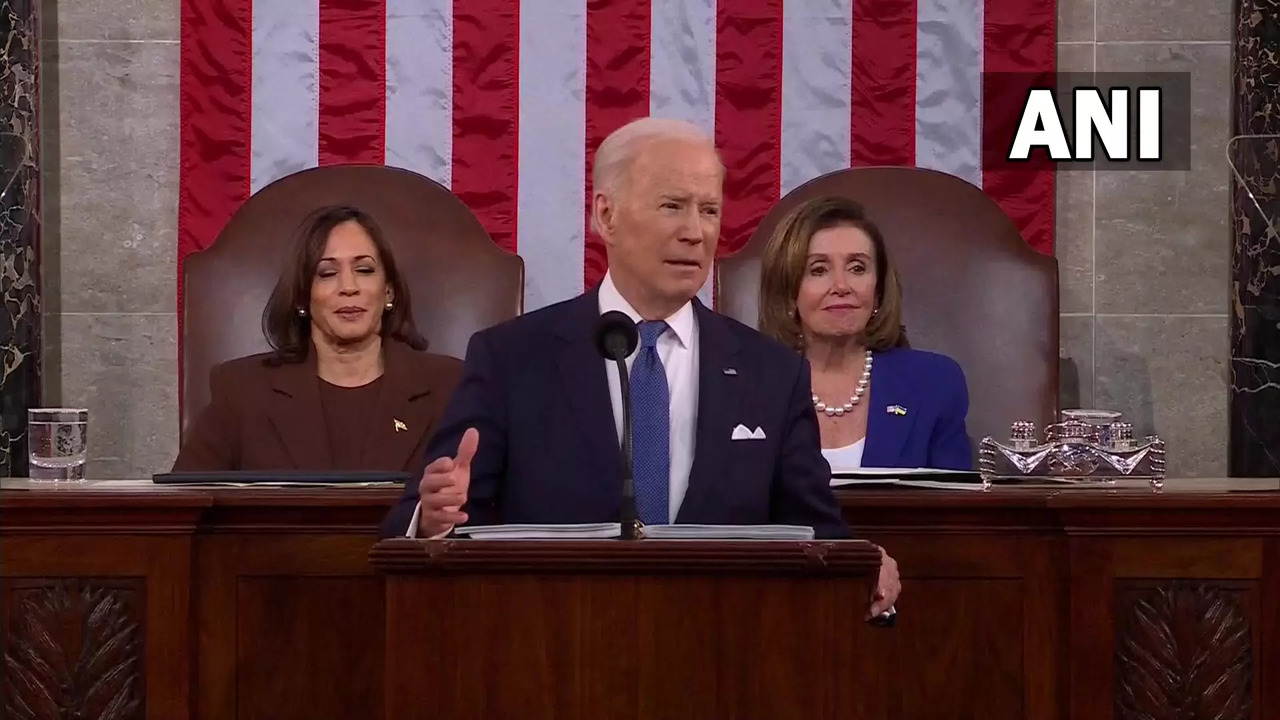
<point>460,280</point>
<point>973,289</point>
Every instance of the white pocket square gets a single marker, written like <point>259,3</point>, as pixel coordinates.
<point>742,433</point>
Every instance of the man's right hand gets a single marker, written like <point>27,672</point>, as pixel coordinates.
<point>443,490</point>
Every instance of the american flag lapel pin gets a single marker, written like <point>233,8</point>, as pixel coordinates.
<point>730,371</point>
<point>400,426</point>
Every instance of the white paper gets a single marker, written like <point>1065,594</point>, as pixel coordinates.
<point>849,481</point>
<point>728,532</point>
<point>604,531</point>
<point>891,472</point>
<point>900,482</point>
<point>541,532</point>
<point>134,484</point>
<point>940,485</point>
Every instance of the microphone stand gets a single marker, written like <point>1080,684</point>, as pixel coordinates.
<point>629,523</point>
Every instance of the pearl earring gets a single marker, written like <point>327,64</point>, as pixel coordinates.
<point>302,312</point>
<point>389,305</point>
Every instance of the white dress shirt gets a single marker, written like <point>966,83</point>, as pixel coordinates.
<point>678,348</point>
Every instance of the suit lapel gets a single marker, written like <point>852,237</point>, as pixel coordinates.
<point>585,383</point>
<point>298,417</point>
<point>717,407</point>
<point>400,418</point>
<point>887,432</point>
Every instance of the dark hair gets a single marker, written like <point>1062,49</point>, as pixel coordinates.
<point>783,267</point>
<point>289,333</point>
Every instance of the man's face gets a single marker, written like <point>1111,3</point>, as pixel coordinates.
<point>662,225</point>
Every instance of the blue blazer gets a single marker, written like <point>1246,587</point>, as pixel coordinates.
<point>537,391</point>
<point>931,433</point>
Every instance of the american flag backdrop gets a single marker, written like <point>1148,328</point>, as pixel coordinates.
<point>504,102</point>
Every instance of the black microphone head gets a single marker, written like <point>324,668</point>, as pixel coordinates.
<point>616,335</point>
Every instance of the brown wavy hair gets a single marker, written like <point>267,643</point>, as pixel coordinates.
<point>288,333</point>
<point>787,255</point>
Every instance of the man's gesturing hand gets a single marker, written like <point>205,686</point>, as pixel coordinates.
<point>443,490</point>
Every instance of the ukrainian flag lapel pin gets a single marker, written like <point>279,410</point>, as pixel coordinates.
<point>400,426</point>
<point>896,410</point>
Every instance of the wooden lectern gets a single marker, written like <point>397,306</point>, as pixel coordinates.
<point>596,629</point>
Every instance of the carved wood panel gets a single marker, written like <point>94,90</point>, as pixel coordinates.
<point>1183,651</point>
<point>72,650</point>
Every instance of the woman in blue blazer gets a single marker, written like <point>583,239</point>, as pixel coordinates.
<point>828,290</point>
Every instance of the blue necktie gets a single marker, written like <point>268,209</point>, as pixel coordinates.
<point>650,428</point>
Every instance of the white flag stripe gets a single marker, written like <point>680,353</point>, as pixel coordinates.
<point>949,43</point>
<point>682,72</point>
<point>419,131</point>
<point>551,182</point>
<point>284,137</point>
<point>682,64</point>
<point>817,54</point>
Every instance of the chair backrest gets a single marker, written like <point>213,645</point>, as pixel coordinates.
<point>460,280</point>
<point>972,287</point>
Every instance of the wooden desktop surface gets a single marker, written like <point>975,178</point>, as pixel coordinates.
<point>1017,603</point>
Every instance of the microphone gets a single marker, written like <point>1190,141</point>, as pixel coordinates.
<point>616,337</point>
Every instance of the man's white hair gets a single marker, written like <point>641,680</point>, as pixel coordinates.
<point>618,151</point>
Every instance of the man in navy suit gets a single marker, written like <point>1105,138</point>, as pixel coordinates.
<point>724,429</point>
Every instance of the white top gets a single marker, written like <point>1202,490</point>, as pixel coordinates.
<point>844,458</point>
<point>678,348</point>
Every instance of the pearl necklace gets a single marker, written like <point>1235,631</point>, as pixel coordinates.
<point>838,410</point>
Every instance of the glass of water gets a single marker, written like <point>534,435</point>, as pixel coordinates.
<point>57,442</point>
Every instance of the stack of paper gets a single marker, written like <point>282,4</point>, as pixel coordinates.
<point>907,477</point>
<point>728,532</point>
<point>602,531</point>
<point>123,484</point>
<point>583,531</point>
<point>870,473</point>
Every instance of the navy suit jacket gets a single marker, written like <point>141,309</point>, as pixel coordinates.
<point>536,390</point>
<point>931,389</point>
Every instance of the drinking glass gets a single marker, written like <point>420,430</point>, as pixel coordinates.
<point>58,440</point>
<point>1100,420</point>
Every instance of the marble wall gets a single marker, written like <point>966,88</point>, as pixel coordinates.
<point>19,228</point>
<point>1145,257</point>
<point>111,177</point>
<point>1255,269</point>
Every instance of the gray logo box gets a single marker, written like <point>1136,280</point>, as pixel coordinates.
<point>1006,96</point>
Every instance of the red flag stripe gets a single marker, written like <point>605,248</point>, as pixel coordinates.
<point>215,79</point>
<point>883,83</point>
<point>748,113</point>
<point>1018,53</point>
<point>352,60</point>
<point>617,92</point>
<point>486,111</point>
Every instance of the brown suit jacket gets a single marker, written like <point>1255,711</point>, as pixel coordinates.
<point>264,417</point>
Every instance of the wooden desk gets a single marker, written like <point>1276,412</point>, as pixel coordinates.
<point>1088,604</point>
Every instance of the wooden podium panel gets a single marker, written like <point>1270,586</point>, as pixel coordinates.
<point>1174,605</point>
<point>94,605</point>
<point>198,603</point>
<point>1097,604</point>
<point>1091,604</point>
<point>644,629</point>
<point>289,613</point>
<point>982,618</point>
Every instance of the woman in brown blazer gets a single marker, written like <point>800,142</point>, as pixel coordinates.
<point>348,385</point>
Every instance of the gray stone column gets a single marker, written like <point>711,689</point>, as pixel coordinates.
<point>1254,447</point>
<point>19,227</point>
